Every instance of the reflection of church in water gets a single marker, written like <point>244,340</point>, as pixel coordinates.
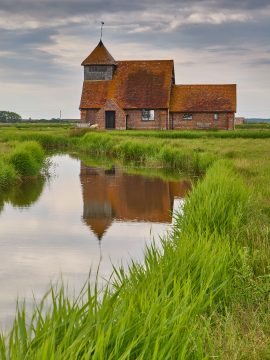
<point>110,195</point>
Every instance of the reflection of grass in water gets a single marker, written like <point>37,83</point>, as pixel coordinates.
<point>24,193</point>
<point>18,161</point>
<point>1,203</point>
<point>27,192</point>
<point>165,174</point>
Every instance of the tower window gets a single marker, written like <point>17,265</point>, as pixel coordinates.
<point>98,72</point>
<point>216,116</point>
<point>98,68</point>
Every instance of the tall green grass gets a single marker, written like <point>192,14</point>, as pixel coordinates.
<point>21,160</point>
<point>49,138</point>
<point>218,203</point>
<point>154,153</point>
<point>197,134</point>
<point>27,158</point>
<point>160,309</point>
<point>8,175</point>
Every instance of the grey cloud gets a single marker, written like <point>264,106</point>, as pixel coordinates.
<point>229,49</point>
<point>62,8</point>
<point>24,62</point>
<point>53,9</point>
<point>14,40</point>
<point>236,38</point>
<point>243,4</point>
<point>259,62</point>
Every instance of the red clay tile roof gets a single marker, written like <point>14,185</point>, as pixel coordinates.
<point>203,98</point>
<point>135,85</point>
<point>99,56</point>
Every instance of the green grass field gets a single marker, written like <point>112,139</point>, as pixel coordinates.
<point>205,294</point>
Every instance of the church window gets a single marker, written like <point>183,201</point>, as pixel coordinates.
<point>148,115</point>
<point>187,116</point>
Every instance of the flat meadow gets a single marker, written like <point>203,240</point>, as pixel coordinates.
<point>204,294</point>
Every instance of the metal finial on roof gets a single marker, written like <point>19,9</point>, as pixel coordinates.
<point>102,23</point>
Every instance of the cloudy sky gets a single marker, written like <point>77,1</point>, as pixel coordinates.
<point>43,42</point>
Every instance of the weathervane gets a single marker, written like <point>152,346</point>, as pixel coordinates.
<point>102,23</point>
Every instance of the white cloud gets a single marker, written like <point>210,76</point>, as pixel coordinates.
<point>217,18</point>
<point>214,18</point>
<point>6,53</point>
<point>29,22</point>
<point>140,29</point>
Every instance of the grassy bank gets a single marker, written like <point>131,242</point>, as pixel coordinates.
<point>151,154</point>
<point>218,134</point>
<point>19,160</point>
<point>252,126</point>
<point>154,153</point>
<point>204,294</point>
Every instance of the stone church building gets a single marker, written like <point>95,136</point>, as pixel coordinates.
<point>143,95</point>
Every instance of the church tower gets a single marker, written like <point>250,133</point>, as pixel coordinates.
<point>99,65</point>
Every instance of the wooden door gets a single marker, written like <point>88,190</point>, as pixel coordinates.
<point>110,119</point>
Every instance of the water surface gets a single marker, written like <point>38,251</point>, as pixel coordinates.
<point>79,217</point>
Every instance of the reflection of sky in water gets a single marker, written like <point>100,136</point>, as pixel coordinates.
<point>50,238</point>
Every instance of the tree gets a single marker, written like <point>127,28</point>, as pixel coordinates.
<point>9,117</point>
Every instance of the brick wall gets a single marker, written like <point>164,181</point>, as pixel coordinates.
<point>134,120</point>
<point>176,121</point>
<point>120,115</point>
<point>202,121</point>
<point>83,116</point>
<point>231,121</point>
<point>88,116</point>
<point>91,116</point>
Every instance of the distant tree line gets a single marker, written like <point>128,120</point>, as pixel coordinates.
<point>9,117</point>
<point>12,117</point>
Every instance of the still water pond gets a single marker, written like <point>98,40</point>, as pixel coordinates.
<point>79,217</point>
